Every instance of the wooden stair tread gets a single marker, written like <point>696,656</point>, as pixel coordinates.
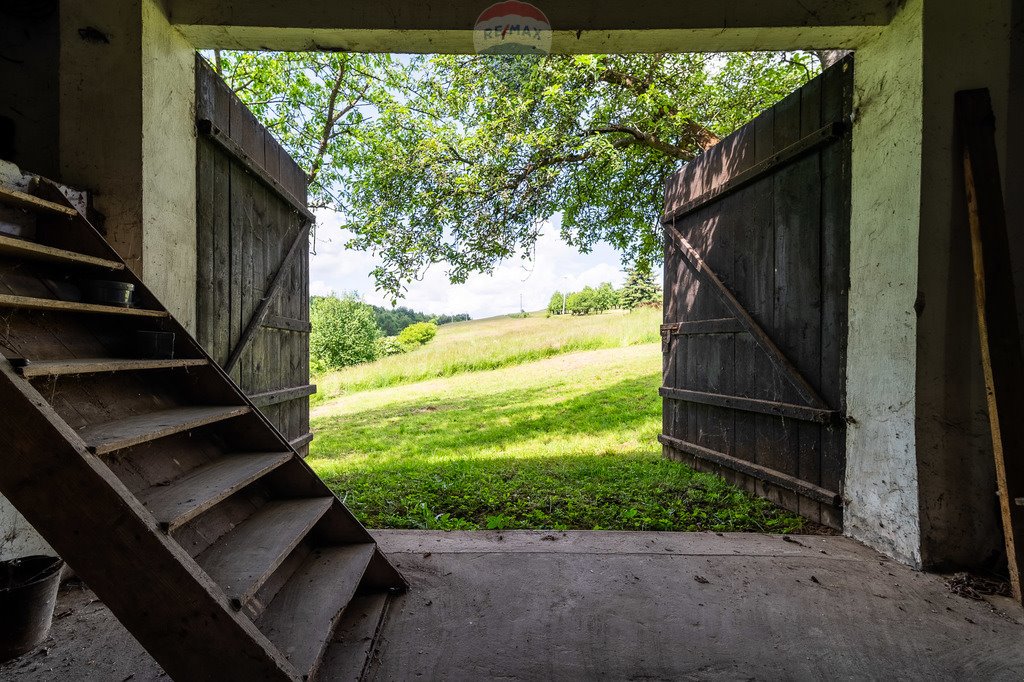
<point>50,368</point>
<point>13,197</point>
<point>349,651</point>
<point>26,249</point>
<point>123,433</point>
<point>300,620</point>
<point>182,500</point>
<point>242,560</point>
<point>32,303</point>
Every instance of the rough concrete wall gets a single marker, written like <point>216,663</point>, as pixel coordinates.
<point>127,133</point>
<point>169,164</point>
<point>28,85</point>
<point>101,114</point>
<point>959,517</point>
<point>881,473</point>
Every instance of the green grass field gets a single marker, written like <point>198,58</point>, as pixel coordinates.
<point>544,423</point>
<point>494,343</point>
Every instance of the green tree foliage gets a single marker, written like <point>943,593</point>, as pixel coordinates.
<point>460,158</point>
<point>343,332</point>
<point>640,290</point>
<point>582,302</point>
<point>606,297</point>
<point>317,104</point>
<point>556,304</point>
<point>417,334</point>
<point>393,320</point>
<point>586,302</point>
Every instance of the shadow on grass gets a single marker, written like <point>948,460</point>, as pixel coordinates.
<point>502,419</point>
<point>612,492</point>
<point>528,458</point>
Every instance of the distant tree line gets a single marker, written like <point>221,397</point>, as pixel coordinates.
<point>345,331</point>
<point>393,320</point>
<point>639,290</point>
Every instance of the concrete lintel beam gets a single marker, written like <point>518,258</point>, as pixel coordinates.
<point>601,26</point>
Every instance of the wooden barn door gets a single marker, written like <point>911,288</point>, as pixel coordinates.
<point>253,265</point>
<point>756,279</point>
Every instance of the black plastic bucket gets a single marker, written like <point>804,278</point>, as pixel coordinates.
<point>28,592</point>
<point>108,293</point>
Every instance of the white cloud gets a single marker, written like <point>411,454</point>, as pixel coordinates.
<point>556,267</point>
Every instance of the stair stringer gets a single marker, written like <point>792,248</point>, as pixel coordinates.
<point>94,522</point>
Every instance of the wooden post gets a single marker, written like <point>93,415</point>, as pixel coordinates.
<point>997,316</point>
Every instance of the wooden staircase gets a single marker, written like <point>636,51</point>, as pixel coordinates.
<point>160,483</point>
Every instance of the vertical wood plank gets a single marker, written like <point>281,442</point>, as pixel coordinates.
<point>808,280</point>
<point>205,170</point>
<point>218,301</point>
<point>837,102</point>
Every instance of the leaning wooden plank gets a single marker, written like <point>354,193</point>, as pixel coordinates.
<point>51,368</point>
<point>124,433</point>
<point>764,342</point>
<point>301,619</point>
<point>996,305</point>
<point>22,248</point>
<point>13,197</point>
<point>241,561</point>
<point>182,500</point>
<point>32,303</point>
<point>95,523</point>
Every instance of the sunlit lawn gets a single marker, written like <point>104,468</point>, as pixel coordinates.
<point>567,442</point>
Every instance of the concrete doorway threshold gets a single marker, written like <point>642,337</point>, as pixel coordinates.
<point>526,605</point>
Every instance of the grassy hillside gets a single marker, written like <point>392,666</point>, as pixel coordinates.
<point>493,343</point>
<point>552,438</point>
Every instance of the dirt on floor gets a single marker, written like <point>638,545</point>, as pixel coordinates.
<point>536,605</point>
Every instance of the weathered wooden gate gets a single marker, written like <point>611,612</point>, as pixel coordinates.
<point>756,280</point>
<point>253,263</point>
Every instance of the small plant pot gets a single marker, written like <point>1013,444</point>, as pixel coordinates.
<point>154,345</point>
<point>28,593</point>
<point>108,293</point>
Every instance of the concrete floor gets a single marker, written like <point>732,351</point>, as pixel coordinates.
<point>629,606</point>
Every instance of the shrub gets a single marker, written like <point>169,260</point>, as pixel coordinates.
<point>388,346</point>
<point>417,334</point>
<point>344,332</point>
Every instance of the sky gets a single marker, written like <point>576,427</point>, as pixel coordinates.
<point>556,267</point>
